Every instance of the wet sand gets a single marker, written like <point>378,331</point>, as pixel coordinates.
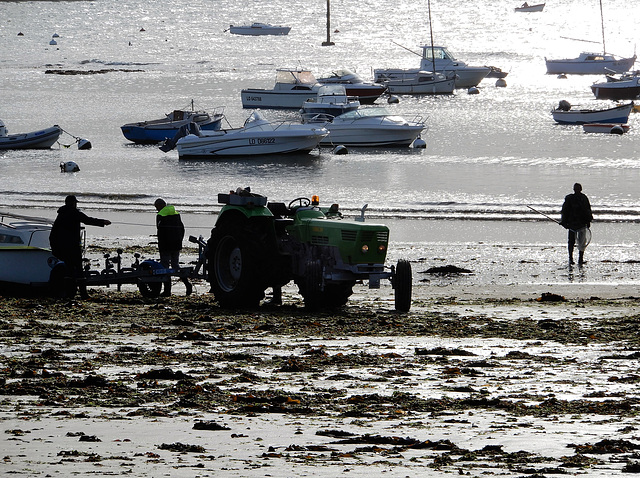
<point>477,381</point>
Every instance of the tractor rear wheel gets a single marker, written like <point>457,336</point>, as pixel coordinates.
<point>236,268</point>
<point>402,283</point>
<point>311,287</point>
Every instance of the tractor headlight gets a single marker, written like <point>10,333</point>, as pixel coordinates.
<point>382,248</point>
<point>365,249</point>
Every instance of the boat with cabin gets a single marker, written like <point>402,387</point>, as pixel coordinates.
<point>332,100</point>
<point>526,8</point>
<point>367,92</point>
<point>421,83</point>
<point>292,88</point>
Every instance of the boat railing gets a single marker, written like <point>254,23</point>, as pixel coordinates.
<point>317,118</point>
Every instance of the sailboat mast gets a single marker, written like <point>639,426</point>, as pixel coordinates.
<point>433,54</point>
<point>604,48</point>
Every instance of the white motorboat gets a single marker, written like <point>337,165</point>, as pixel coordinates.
<point>331,100</point>
<point>565,114</point>
<point>257,137</point>
<point>372,126</point>
<point>421,83</point>
<point>25,254</point>
<point>258,28</point>
<point>41,139</point>
<point>441,60</point>
<point>292,88</point>
<point>367,92</point>
<point>525,7</point>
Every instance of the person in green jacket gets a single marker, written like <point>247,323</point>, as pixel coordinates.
<point>170,236</point>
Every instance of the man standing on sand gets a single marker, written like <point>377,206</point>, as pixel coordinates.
<point>170,236</point>
<point>576,217</point>
<point>66,241</point>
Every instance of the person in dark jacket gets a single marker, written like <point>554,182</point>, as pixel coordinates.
<point>576,217</point>
<point>170,236</point>
<point>66,241</point>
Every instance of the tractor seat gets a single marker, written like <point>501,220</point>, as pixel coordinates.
<point>279,210</point>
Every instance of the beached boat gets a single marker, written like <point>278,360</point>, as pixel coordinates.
<point>367,92</point>
<point>41,139</point>
<point>421,83</point>
<point>292,88</point>
<point>258,28</point>
<point>25,254</point>
<point>331,100</point>
<point>610,128</point>
<point>373,126</point>
<point>525,7</point>
<point>158,130</point>
<point>257,137</point>
<point>565,114</point>
<point>591,63</point>
<point>624,88</point>
<point>444,61</point>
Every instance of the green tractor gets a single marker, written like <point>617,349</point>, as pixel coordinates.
<point>256,245</point>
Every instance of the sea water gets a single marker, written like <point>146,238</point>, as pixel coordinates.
<point>489,157</point>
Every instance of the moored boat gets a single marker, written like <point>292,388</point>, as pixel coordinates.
<point>25,254</point>
<point>590,64</point>
<point>257,137</point>
<point>41,139</point>
<point>258,28</point>
<point>158,130</point>
<point>367,92</point>
<point>610,128</point>
<point>625,88</point>
<point>371,126</point>
<point>525,7</point>
<point>421,83</point>
<point>331,100</point>
<point>565,114</point>
<point>292,88</point>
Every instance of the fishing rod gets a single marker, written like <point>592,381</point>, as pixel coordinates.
<point>548,217</point>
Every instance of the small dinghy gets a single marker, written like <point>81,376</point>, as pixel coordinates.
<point>41,139</point>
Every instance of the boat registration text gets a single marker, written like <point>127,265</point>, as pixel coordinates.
<point>262,140</point>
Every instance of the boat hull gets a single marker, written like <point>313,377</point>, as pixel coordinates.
<point>464,77</point>
<point>42,139</point>
<point>26,266</point>
<point>415,86</point>
<point>589,67</point>
<point>260,30</point>
<point>618,114</point>
<point>617,90</point>
<point>531,8</point>
<point>250,143</point>
<point>604,128</point>
<point>153,132</point>
<point>355,134</point>
<point>366,94</point>
<point>272,99</point>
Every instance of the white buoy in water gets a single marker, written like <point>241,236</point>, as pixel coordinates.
<point>84,144</point>
<point>340,149</point>
<point>419,143</point>
<point>393,100</point>
<point>473,91</point>
<point>501,83</point>
<point>617,130</point>
<point>69,167</point>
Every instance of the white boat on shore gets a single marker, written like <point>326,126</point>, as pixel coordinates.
<point>25,254</point>
<point>421,83</point>
<point>331,100</point>
<point>258,28</point>
<point>257,137</point>
<point>441,60</point>
<point>371,127</point>
<point>41,139</point>
<point>292,88</point>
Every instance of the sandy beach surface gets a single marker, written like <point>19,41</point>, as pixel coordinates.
<point>483,377</point>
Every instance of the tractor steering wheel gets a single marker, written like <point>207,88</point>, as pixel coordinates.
<point>302,202</point>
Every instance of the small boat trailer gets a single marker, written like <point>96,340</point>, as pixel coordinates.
<point>148,275</point>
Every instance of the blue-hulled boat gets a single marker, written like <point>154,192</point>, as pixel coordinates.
<point>564,114</point>
<point>159,130</point>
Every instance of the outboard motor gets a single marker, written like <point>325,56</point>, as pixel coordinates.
<point>69,167</point>
<point>3,130</point>
<point>564,105</point>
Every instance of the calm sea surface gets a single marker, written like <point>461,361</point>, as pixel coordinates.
<point>488,156</point>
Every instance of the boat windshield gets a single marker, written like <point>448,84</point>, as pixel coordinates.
<point>373,112</point>
<point>439,53</point>
<point>332,90</point>
<point>295,77</point>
